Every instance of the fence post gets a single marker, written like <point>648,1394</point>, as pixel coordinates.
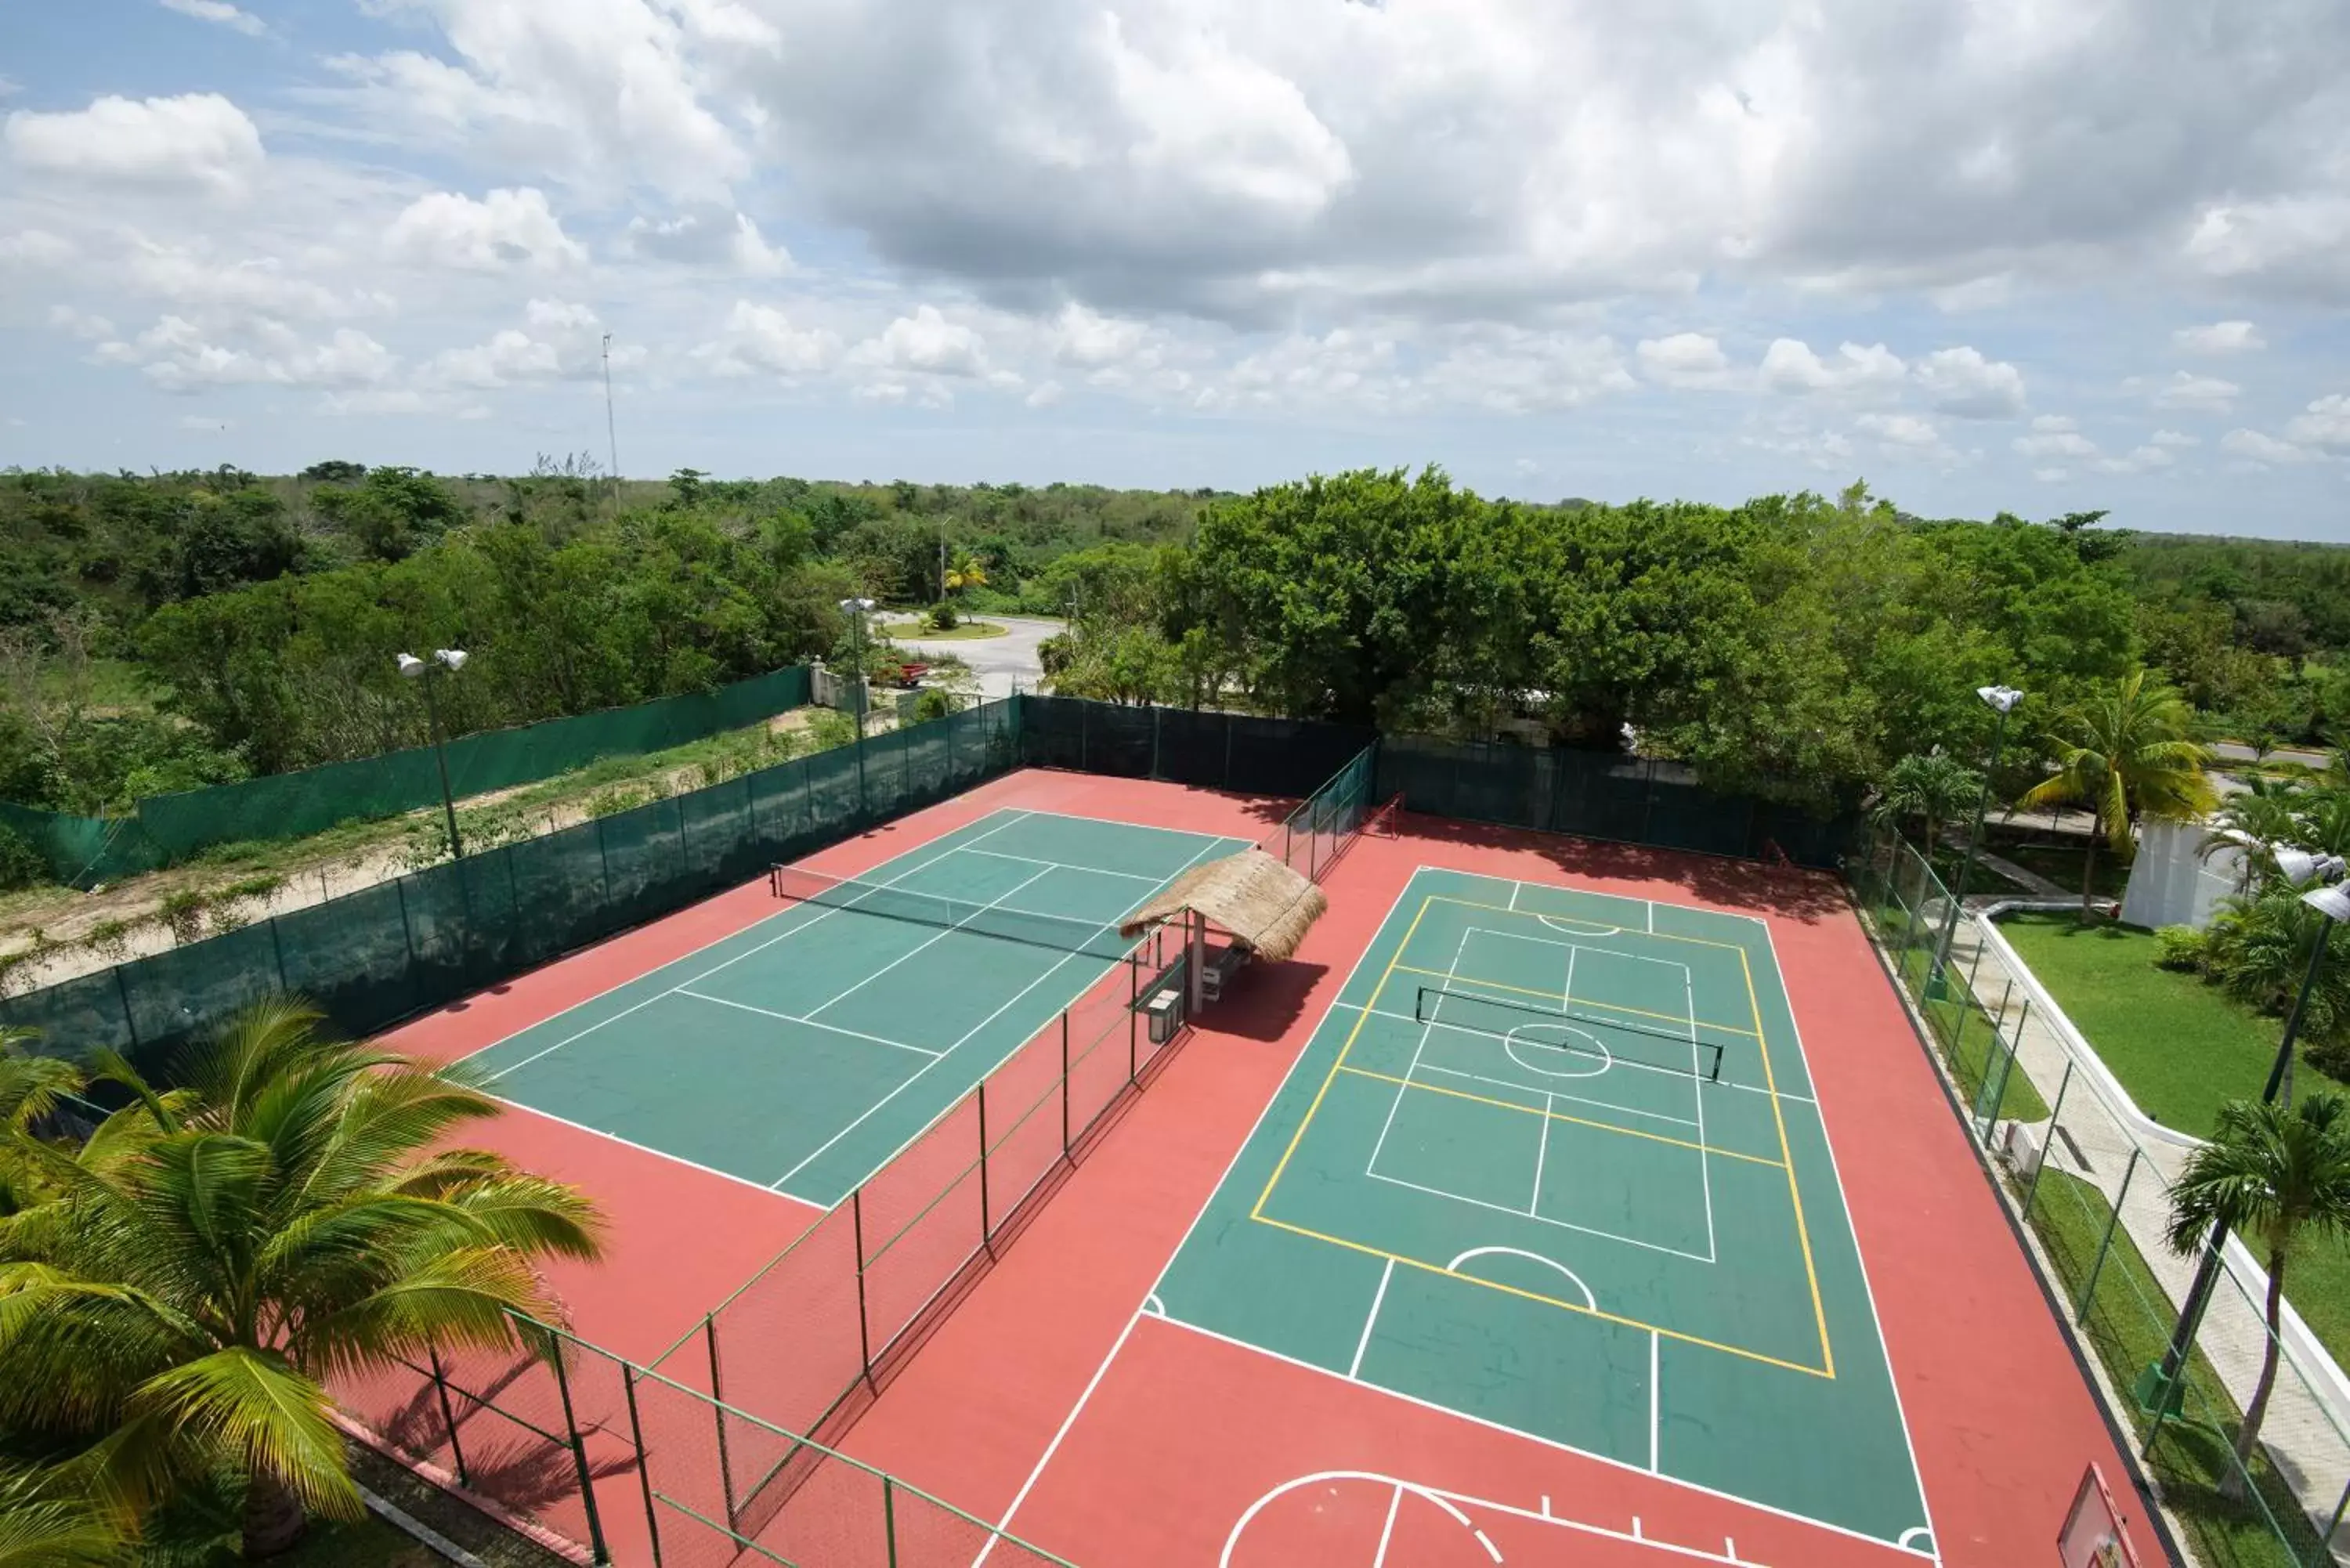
<point>644,1465</point>
<point>889,1516</point>
<point>1084,707</point>
<point>129,1019</point>
<point>864,1330</point>
<point>448,1416</point>
<point>1154,740</point>
<point>2104,1243</point>
<point>2032,1188</point>
<point>1133,1003</point>
<point>986,1227</point>
<point>718,1414</point>
<point>2007,1065</point>
<point>579,1461</point>
<point>1228,750</point>
<point>1065,1083</point>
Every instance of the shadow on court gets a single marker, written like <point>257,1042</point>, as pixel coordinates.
<point>1267,1001</point>
<point>1787,892</point>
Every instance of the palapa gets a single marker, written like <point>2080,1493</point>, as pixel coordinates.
<point>1266,907</point>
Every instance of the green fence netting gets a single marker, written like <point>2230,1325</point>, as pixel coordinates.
<point>1602,794</point>
<point>1221,751</point>
<point>379,954</point>
<point>170,827</point>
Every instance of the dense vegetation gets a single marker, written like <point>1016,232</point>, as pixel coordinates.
<point>160,632</point>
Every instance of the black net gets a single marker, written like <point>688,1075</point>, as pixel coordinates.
<point>1561,1029</point>
<point>1221,751</point>
<point>798,885</point>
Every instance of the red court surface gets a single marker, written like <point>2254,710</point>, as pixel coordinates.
<point>1053,1400</point>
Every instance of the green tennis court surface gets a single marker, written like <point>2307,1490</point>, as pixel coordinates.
<point>802,1053</point>
<point>1552,1161</point>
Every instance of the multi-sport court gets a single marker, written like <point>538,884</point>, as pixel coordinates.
<point>799,1054</point>
<point>1553,1162</point>
<point>1502,1226</point>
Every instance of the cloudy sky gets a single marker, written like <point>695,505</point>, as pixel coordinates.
<point>2031,254</point>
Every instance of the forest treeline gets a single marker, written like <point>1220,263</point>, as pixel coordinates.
<point>163,631</point>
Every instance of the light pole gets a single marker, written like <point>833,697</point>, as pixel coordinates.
<point>856,610</point>
<point>2332,901</point>
<point>2000,699</point>
<point>452,659</point>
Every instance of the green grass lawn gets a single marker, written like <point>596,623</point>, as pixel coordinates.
<point>919,631</point>
<point>2061,864</point>
<point>2182,1048</point>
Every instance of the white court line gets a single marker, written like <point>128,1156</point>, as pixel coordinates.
<point>1387,1530</point>
<point>1649,906</point>
<point>792,1018</point>
<point>1549,942</point>
<point>1553,1443</point>
<point>817,1208</point>
<point>959,1044</point>
<point>1402,1088</point>
<point>1065,866</point>
<point>1697,1087</point>
<point>705,974</point>
<point>1656,1400</point>
<point>1542,1152</point>
<point>1053,1447</point>
<point>1555,1095</point>
<point>1548,1262</point>
<point>1370,1319</point>
<point>1537,1218</point>
<point>932,943</point>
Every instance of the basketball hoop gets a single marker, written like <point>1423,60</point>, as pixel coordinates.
<point>2093,1536</point>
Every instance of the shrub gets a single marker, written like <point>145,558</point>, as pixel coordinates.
<point>182,914</point>
<point>2178,947</point>
<point>109,940</point>
<point>933,704</point>
<point>21,865</point>
<point>943,616</point>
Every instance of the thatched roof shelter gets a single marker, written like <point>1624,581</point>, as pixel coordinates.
<point>1266,907</point>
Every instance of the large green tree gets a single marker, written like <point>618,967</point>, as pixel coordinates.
<point>213,1255</point>
<point>2280,1178</point>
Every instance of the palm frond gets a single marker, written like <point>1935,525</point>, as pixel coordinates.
<point>268,1415</point>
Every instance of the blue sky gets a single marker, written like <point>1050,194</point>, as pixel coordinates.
<point>1984,253</point>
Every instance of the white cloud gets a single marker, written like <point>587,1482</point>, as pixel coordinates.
<point>1683,360</point>
<point>31,248</point>
<point>2218,337</point>
<point>2138,459</point>
<point>1514,370</point>
<point>2255,447</point>
<point>506,229</point>
<point>710,238</point>
<point>761,337</point>
<point>189,279</point>
<point>2063,443</point>
<point>1045,395</point>
<point>2325,424</point>
<point>177,356</point>
<point>1962,381</point>
<point>213,422</point>
<point>200,140</point>
<point>1300,370</point>
<point>2174,439</point>
<point>557,342</point>
<point>2183,389</point>
<point>221,13</point>
<point>927,342</point>
<point>1790,366</point>
<point>80,324</point>
<point>1092,341</point>
<point>1906,430</point>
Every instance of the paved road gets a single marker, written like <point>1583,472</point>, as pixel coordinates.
<point>2237,752</point>
<point>998,661</point>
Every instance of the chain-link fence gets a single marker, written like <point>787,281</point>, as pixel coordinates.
<point>1325,822</point>
<point>2092,1179</point>
<point>1179,745</point>
<point>619,1463</point>
<point>1603,795</point>
<point>372,956</point>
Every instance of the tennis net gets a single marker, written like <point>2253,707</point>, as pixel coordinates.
<point>1502,1018</point>
<point>1061,933</point>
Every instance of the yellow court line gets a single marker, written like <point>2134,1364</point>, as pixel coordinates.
<point>1623,930</point>
<point>1558,1116</point>
<point>1632,1323</point>
<point>1802,1231</point>
<point>1257,1209</point>
<point>1468,980</point>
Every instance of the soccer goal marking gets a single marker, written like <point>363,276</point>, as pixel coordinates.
<point>1590,1302</point>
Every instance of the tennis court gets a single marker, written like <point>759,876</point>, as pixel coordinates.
<point>1553,1162</point>
<point>801,1052</point>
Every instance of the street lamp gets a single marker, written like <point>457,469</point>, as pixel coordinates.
<point>2000,699</point>
<point>2331,899</point>
<point>452,659</point>
<point>856,610</point>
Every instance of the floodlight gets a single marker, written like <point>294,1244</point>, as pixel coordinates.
<point>2332,900</point>
<point>2300,865</point>
<point>410,665</point>
<point>454,658</point>
<point>1999,698</point>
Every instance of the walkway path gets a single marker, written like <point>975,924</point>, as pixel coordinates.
<point>2090,1140</point>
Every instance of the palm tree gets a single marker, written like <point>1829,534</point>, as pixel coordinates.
<point>968,572</point>
<point>2125,753</point>
<point>2258,949</point>
<point>216,1254</point>
<point>44,1524</point>
<point>1929,785</point>
<point>2263,814</point>
<point>2281,1178</point>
